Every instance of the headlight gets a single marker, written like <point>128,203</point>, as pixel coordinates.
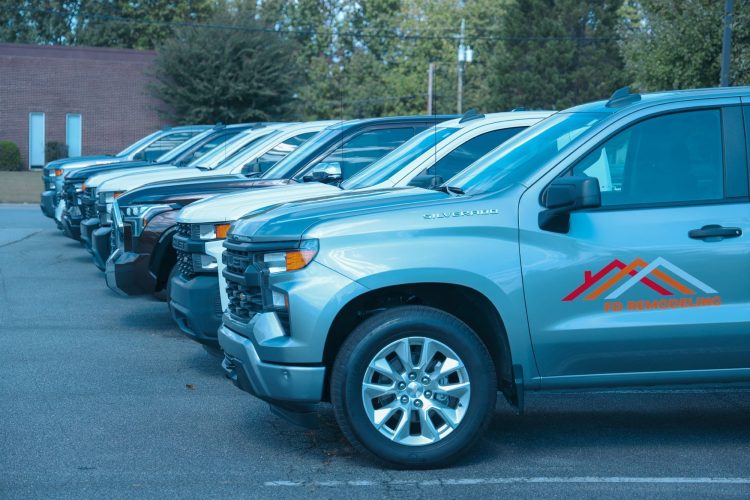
<point>140,215</point>
<point>214,231</point>
<point>291,260</point>
<point>56,172</point>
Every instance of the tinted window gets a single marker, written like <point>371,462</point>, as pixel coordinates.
<point>522,155</point>
<point>666,159</point>
<point>213,142</point>
<point>277,153</point>
<point>363,149</point>
<point>467,153</point>
<point>164,145</point>
<point>399,158</point>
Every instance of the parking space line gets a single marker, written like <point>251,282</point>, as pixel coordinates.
<point>517,480</point>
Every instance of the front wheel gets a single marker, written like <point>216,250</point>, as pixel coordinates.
<point>414,386</point>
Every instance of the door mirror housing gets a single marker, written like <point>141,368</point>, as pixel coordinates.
<point>251,168</point>
<point>426,181</point>
<point>565,195</point>
<point>327,173</point>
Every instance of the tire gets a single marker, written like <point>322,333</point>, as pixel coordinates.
<point>393,444</point>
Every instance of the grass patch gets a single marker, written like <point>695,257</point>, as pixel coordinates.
<point>20,187</point>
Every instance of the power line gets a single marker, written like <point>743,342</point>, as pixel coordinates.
<point>87,16</point>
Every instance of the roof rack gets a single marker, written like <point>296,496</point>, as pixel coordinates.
<point>472,114</point>
<point>622,97</point>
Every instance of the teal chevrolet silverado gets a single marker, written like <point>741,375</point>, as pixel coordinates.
<point>602,247</point>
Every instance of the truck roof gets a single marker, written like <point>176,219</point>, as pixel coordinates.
<point>652,98</point>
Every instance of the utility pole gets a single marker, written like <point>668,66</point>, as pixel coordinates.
<point>465,54</point>
<point>430,79</point>
<point>726,46</point>
<point>460,87</point>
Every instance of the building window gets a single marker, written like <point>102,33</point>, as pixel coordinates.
<point>73,134</point>
<point>36,139</point>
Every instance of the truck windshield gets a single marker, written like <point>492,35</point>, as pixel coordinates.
<point>520,156</point>
<point>299,157</point>
<point>185,146</point>
<point>399,158</point>
<point>139,144</point>
<point>226,150</point>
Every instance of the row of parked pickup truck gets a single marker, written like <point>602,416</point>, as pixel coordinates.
<point>406,269</point>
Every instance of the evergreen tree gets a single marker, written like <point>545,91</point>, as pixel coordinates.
<point>229,75</point>
<point>676,44</point>
<point>557,53</point>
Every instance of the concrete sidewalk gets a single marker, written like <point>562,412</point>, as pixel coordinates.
<point>20,187</point>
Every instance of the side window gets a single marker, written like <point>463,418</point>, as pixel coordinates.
<point>272,156</point>
<point>667,159</point>
<point>466,154</point>
<point>363,149</point>
<point>164,145</point>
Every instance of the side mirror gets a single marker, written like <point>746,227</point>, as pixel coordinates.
<point>426,181</point>
<point>140,156</point>
<point>565,195</point>
<point>251,168</point>
<point>327,173</point>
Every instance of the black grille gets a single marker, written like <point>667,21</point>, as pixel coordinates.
<point>244,300</point>
<point>185,259</point>
<point>88,204</point>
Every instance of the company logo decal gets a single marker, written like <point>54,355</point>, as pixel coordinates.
<point>676,287</point>
<point>461,213</point>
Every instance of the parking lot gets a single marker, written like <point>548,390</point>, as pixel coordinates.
<point>101,395</point>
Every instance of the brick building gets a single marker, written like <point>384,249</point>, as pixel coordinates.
<point>93,99</point>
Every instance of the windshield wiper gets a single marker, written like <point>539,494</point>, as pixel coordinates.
<point>202,168</point>
<point>449,189</point>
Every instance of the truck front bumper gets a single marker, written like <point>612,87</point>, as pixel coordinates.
<point>47,203</point>
<point>127,273</point>
<point>285,386</point>
<point>88,226</point>
<point>71,225</point>
<point>196,307</point>
<point>101,246</point>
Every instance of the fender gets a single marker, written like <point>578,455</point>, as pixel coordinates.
<point>506,303</point>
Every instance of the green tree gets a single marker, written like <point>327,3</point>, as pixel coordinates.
<point>135,24</point>
<point>38,21</point>
<point>557,53</point>
<point>235,74</point>
<point>676,44</point>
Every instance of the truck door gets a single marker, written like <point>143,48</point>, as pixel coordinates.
<point>654,286</point>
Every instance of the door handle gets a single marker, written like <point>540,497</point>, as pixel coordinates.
<point>715,231</point>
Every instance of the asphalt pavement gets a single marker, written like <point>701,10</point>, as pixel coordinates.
<point>101,396</point>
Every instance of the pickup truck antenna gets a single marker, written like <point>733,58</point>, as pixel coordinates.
<point>472,114</point>
<point>622,97</point>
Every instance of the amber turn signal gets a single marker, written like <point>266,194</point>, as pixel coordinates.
<point>221,231</point>
<point>297,259</point>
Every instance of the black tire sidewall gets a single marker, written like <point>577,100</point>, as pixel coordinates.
<point>379,331</point>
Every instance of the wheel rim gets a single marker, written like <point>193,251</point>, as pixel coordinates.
<point>416,391</point>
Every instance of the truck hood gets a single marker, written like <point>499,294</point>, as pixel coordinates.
<point>290,222</point>
<point>81,174</point>
<point>134,179</point>
<point>98,180</point>
<point>189,190</point>
<point>232,206</point>
<point>82,161</point>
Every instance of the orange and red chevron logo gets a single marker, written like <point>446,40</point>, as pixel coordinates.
<point>661,276</point>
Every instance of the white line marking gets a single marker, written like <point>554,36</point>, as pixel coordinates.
<point>521,480</point>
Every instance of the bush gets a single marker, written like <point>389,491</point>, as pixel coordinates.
<point>10,156</point>
<point>54,150</point>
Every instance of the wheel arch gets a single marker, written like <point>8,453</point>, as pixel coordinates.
<point>468,304</point>
<point>163,258</point>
